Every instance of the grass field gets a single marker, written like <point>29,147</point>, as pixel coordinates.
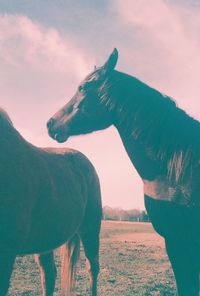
<point>133,262</point>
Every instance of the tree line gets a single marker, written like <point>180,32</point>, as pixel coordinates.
<point>119,214</point>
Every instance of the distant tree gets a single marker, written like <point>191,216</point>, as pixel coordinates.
<point>119,214</point>
<point>144,216</point>
<point>134,215</point>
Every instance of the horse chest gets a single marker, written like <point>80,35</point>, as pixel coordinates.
<point>163,189</point>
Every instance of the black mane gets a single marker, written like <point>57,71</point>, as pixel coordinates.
<point>169,134</point>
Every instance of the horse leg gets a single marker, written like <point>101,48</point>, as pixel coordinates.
<point>6,263</point>
<point>47,272</point>
<point>184,260</point>
<point>90,242</point>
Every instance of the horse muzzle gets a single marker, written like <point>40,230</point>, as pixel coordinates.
<point>56,133</point>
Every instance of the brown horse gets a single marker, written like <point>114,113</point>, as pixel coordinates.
<point>163,143</point>
<point>48,197</point>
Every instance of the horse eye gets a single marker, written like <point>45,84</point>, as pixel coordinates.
<point>81,88</point>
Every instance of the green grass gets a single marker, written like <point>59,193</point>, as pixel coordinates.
<point>133,262</point>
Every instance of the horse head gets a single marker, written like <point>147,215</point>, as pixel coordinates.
<point>89,109</point>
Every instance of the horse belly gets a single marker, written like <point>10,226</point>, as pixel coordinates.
<point>53,226</point>
<point>14,228</point>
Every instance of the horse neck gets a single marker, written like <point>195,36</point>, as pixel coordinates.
<point>135,122</point>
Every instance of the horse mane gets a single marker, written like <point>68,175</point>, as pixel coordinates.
<point>168,134</point>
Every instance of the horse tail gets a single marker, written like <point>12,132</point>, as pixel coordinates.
<point>70,255</point>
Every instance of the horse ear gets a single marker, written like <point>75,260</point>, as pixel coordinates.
<point>111,62</point>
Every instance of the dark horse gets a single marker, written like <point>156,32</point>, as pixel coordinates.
<point>163,143</point>
<point>48,197</point>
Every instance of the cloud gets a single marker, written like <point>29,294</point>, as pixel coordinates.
<point>162,24</point>
<point>25,41</point>
<point>39,68</point>
<point>163,44</point>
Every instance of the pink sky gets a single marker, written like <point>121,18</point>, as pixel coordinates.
<point>42,63</point>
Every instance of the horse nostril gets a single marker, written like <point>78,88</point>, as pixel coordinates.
<point>50,123</point>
